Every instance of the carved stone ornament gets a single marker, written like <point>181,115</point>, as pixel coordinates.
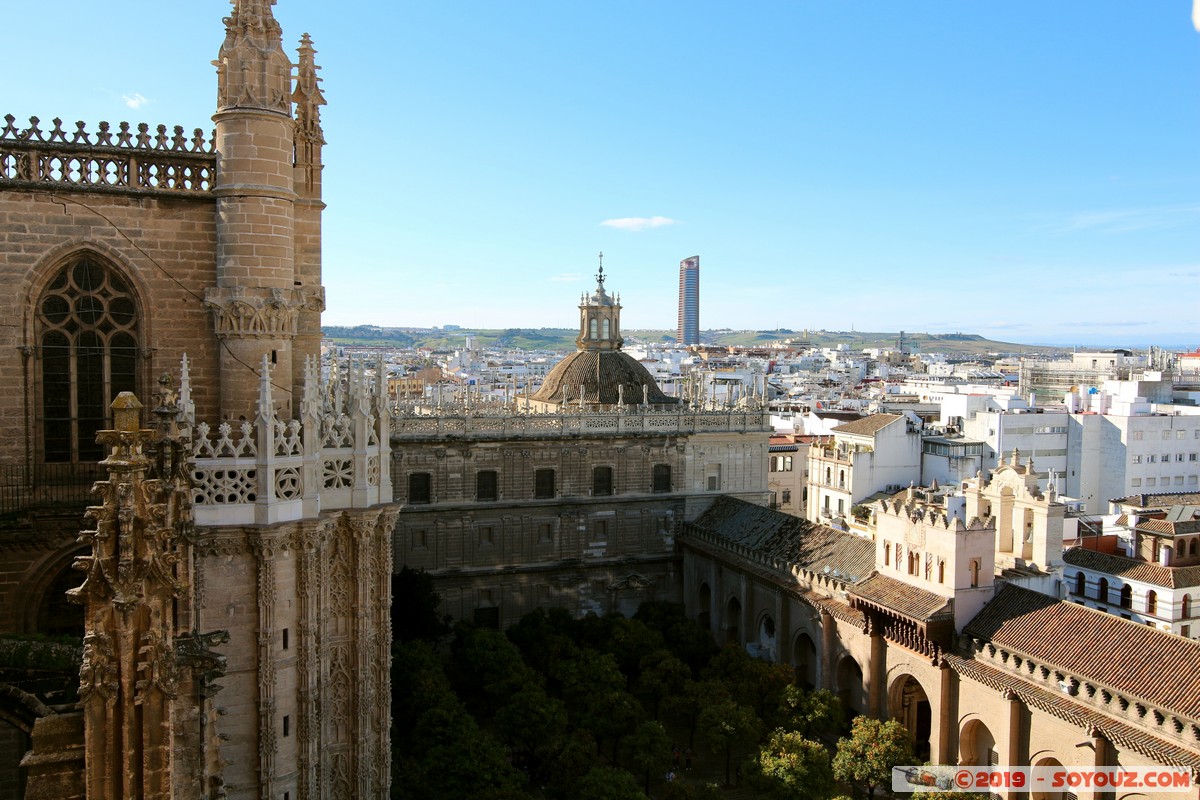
<point>252,69</point>
<point>260,313</point>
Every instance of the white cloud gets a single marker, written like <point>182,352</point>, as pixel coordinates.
<point>1133,219</point>
<point>135,100</point>
<point>637,223</point>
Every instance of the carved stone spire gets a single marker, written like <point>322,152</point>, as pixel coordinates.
<point>308,98</point>
<point>252,69</point>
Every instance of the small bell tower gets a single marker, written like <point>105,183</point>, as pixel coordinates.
<point>599,318</point>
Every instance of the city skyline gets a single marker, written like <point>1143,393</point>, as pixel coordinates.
<point>1028,174</point>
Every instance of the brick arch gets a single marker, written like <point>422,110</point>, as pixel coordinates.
<point>849,685</point>
<point>1045,758</point>
<point>50,574</point>
<point>21,709</point>
<point>806,659</point>
<point>976,743</point>
<point>911,703</point>
<point>766,634</point>
<point>732,611</point>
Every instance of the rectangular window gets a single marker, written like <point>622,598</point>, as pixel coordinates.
<point>1179,480</point>
<point>662,477</point>
<point>1151,481</point>
<point>1193,479</point>
<point>545,532</point>
<point>787,496</point>
<point>1166,458</point>
<point>487,485</point>
<point>602,481</point>
<point>1136,482</point>
<point>1137,435</point>
<point>418,540</point>
<point>1185,631</point>
<point>713,474</point>
<point>1166,434</point>
<point>485,535</point>
<point>543,484</point>
<point>287,725</point>
<point>1191,456</point>
<point>1150,459</point>
<point>285,639</point>
<point>1179,456</point>
<point>1137,459</point>
<point>420,487</point>
<point>787,463</point>
<point>1180,434</point>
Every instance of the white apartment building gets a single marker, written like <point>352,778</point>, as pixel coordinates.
<point>1120,445</point>
<point>879,453</point>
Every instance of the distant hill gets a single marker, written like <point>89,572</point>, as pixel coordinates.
<point>964,345</point>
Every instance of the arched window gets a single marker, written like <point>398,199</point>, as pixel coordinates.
<point>604,329</point>
<point>1126,597</point>
<point>1080,583</point>
<point>592,328</point>
<point>87,334</point>
<point>1102,591</point>
<point>1185,606</point>
<point>1192,547</point>
<point>1151,602</point>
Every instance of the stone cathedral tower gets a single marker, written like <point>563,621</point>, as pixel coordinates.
<point>235,585</point>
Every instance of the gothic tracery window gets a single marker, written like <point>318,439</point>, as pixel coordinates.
<point>87,334</point>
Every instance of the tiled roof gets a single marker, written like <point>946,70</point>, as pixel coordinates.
<point>1161,500</point>
<point>1134,659</point>
<point>601,373</point>
<point>868,426</point>
<point>911,601</point>
<point>784,536</point>
<point>1169,528</point>
<point>1133,570</point>
<point>1058,705</point>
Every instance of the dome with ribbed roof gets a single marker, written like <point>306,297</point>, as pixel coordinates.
<point>605,377</point>
<point>600,373</point>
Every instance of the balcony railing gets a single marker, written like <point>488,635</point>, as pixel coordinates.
<point>47,486</point>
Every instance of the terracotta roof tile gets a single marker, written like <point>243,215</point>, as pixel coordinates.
<point>1058,705</point>
<point>1134,570</point>
<point>911,601</point>
<point>1137,660</point>
<point>868,426</point>
<point>793,539</point>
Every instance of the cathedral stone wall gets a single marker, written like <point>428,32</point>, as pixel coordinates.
<point>164,246</point>
<point>600,539</point>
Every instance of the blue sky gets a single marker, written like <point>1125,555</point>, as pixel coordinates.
<point>1026,170</point>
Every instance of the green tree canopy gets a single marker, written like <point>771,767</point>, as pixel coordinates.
<point>790,767</point>
<point>414,596</point>
<point>865,758</point>
<point>726,725</point>
<point>647,751</point>
<point>812,713</point>
<point>608,783</point>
